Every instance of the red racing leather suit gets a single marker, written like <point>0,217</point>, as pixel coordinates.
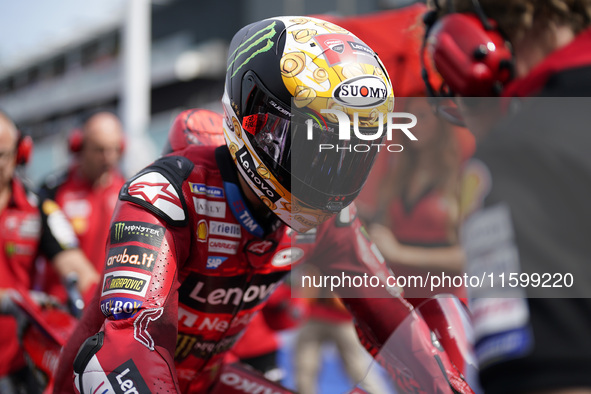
<point>187,268</point>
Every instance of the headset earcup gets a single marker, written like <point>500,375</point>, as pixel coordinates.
<point>472,60</point>
<point>24,150</point>
<point>75,141</point>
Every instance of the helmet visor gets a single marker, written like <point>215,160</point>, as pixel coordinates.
<point>306,151</point>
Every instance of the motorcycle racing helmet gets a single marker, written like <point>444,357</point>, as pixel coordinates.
<point>281,74</point>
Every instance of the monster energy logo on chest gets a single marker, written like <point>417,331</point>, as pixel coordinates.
<point>259,42</point>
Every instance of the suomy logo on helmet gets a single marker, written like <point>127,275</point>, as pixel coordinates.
<point>361,92</point>
<point>259,42</point>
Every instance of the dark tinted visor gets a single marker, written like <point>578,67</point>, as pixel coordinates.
<point>304,151</point>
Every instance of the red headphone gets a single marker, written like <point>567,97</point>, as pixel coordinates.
<point>469,51</point>
<point>76,141</point>
<point>24,149</point>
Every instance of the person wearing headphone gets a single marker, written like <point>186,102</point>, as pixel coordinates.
<point>525,193</point>
<point>87,191</point>
<point>30,226</point>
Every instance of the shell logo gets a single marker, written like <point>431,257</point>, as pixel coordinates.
<point>202,231</point>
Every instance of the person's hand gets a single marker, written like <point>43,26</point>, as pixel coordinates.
<point>7,305</point>
<point>44,300</point>
<point>386,242</point>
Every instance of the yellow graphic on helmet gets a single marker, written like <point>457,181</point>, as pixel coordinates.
<point>237,128</point>
<point>325,67</point>
<point>320,75</point>
<point>304,95</point>
<point>304,35</point>
<point>292,64</point>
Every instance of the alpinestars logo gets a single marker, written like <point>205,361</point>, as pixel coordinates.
<point>151,192</point>
<point>258,43</point>
<point>155,189</point>
<point>261,247</point>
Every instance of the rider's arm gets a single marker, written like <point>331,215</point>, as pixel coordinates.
<point>137,305</point>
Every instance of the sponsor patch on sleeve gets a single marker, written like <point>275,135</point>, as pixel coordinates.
<point>214,209</point>
<point>131,256</point>
<point>127,282</point>
<point>147,233</point>
<point>94,376</point>
<point>120,307</point>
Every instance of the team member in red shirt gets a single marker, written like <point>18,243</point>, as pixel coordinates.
<point>87,192</point>
<point>30,227</point>
<point>202,237</point>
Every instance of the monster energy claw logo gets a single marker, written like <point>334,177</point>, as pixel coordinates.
<point>146,233</point>
<point>119,230</point>
<point>261,40</point>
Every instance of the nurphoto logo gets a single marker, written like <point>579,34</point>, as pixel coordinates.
<point>344,126</point>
